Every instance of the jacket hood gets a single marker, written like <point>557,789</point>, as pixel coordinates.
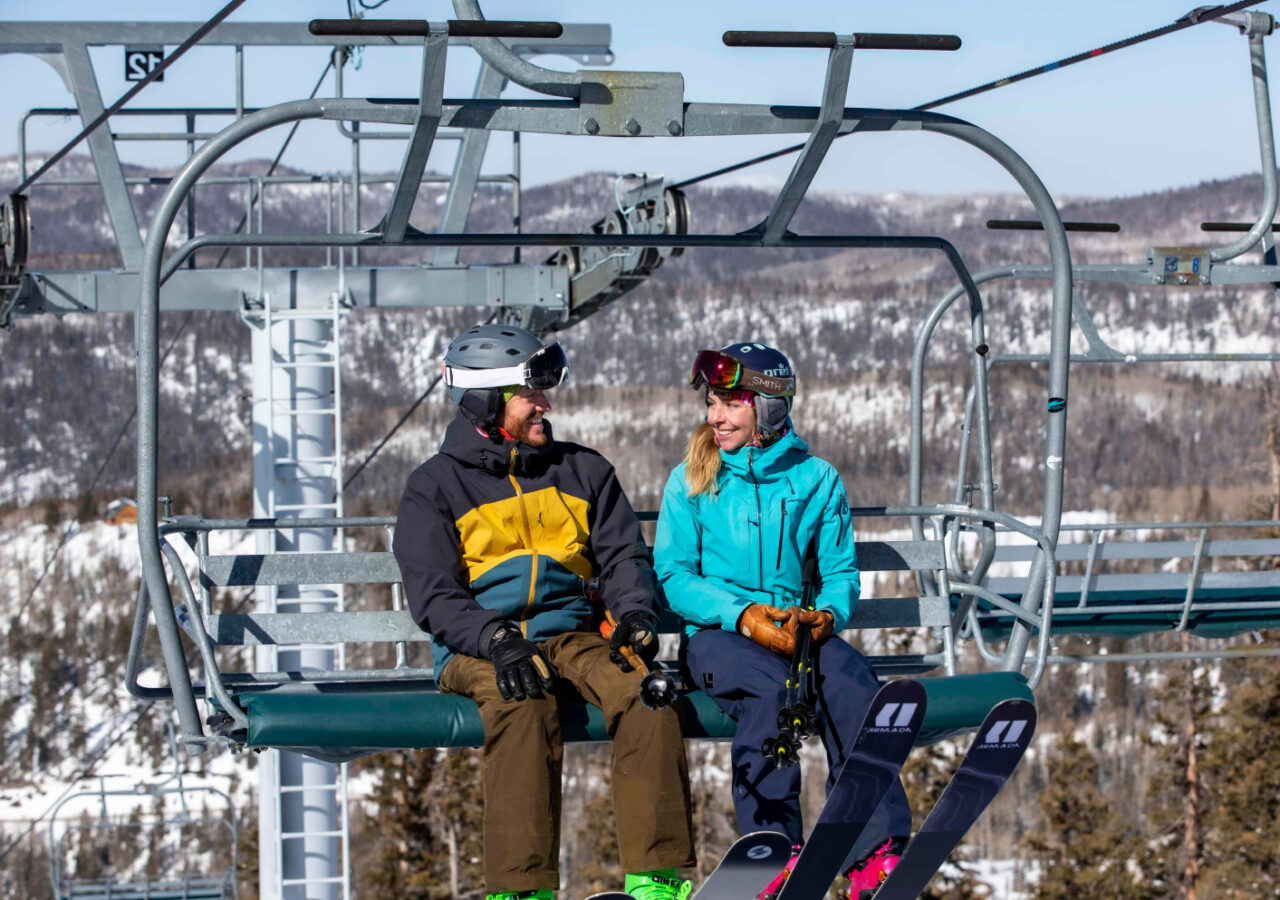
<point>470,447</point>
<point>766,463</point>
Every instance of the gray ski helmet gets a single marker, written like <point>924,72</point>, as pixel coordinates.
<point>487,347</point>
<point>771,411</point>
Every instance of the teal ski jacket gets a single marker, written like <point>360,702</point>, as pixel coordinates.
<point>716,554</point>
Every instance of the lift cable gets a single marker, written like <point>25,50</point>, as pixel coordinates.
<point>396,427</point>
<point>153,75</point>
<point>115,445</point>
<point>351,6</point>
<point>1195,17</point>
<point>124,428</point>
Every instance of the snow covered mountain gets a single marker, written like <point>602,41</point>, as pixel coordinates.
<point>1143,440</point>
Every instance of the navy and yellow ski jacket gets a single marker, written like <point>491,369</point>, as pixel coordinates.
<point>491,531</point>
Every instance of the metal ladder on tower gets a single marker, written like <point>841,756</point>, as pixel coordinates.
<point>305,355</point>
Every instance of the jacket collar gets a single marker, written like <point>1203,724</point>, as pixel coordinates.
<point>765,463</point>
<point>466,444</point>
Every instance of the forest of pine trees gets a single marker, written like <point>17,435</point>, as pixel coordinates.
<point>1210,827</point>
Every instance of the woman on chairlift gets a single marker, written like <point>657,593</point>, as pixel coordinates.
<point>739,517</point>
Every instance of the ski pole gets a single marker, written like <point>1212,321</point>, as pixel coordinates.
<point>657,688</point>
<point>797,718</point>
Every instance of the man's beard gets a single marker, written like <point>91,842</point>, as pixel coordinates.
<point>519,431</point>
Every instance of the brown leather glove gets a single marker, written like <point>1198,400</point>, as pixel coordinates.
<point>821,623</point>
<point>770,627</point>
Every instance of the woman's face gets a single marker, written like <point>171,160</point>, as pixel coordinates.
<point>733,420</point>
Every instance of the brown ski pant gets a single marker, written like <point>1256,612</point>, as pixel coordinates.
<point>523,752</point>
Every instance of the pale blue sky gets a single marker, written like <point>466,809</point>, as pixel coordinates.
<point>1174,111</point>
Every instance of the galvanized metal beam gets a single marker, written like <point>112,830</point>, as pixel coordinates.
<point>830,117</point>
<point>233,290</point>
<point>84,84</point>
<point>466,171</point>
<point>586,43</point>
<point>425,123</point>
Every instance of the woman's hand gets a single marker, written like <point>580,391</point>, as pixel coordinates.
<point>770,627</point>
<point>821,623</point>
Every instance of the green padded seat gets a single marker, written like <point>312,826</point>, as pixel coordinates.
<point>342,725</point>
<point>959,703</point>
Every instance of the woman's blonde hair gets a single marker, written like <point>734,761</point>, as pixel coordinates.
<point>702,461</point>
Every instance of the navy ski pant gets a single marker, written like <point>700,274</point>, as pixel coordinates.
<point>748,682</point>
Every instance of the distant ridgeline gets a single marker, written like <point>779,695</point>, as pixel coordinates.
<point>846,319</point>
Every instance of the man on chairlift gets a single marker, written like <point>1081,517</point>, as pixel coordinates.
<point>498,537</point>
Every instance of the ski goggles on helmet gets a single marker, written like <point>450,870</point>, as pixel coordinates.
<point>722,372</point>
<point>543,370</point>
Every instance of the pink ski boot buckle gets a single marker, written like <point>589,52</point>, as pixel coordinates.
<point>774,888</point>
<point>867,876</point>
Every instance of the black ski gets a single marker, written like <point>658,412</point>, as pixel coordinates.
<point>747,867</point>
<point>996,750</point>
<point>884,740</point>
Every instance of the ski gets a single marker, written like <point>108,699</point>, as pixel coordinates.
<point>887,734</point>
<point>999,745</point>
<point>611,895</point>
<point>747,867</point>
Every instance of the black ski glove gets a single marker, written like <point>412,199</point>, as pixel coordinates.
<point>637,630</point>
<point>521,669</point>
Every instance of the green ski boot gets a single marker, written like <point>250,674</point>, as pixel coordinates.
<point>660,884</point>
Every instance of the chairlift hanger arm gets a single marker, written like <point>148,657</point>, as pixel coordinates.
<point>425,125</point>
<point>830,116</point>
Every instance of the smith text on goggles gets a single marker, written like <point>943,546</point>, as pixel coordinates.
<point>721,372</point>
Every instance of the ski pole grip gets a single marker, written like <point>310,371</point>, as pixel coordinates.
<point>636,662</point>
<point>421,28</point>
<point>827,40</point>
<point>606,630</point>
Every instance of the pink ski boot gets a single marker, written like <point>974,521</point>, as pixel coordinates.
<point>865,877</point>
<point>774,888</point>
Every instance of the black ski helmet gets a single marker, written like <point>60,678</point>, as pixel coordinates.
<point>506,355</point>
<point>771,409</point>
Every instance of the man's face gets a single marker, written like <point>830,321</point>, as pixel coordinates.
<point>522,417</point>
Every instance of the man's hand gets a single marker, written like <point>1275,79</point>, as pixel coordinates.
<point>821,623</point>
<point>638,631</point>
<point>761,622</point>
<point>521,669</point>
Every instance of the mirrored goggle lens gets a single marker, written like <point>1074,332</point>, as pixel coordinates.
<point>546,368</point>
<point>714,369</point>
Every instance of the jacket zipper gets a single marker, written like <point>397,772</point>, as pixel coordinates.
<point>781,532</point>
<point>759,520</point>
<point>528,540</point>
